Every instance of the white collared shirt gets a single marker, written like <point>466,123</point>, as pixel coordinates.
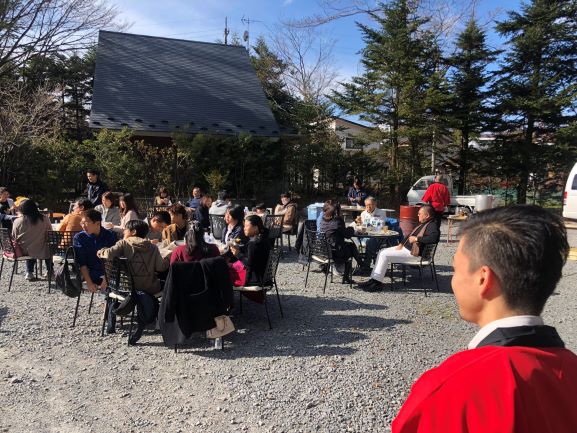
<point>377,213</point>
<point>507,322</point>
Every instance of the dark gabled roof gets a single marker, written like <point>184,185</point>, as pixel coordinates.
<point>163,85</point>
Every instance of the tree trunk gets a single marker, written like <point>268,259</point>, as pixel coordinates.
<point>463,168</point>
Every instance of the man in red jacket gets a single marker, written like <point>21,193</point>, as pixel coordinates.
<point>438,195</point>
<point>517,376</point>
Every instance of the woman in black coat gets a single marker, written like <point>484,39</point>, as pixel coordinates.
<point>233,218</point>
<point>201,213</point>
<point>256,251</point>
<point>333,226</point>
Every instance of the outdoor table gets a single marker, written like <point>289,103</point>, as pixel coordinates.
<point>452,220</point>
<point>55,226</point>
<point>381,237</point>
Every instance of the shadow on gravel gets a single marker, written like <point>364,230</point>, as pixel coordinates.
<point>444,276</point>
<point>310,328</point>
<point>3,313</point>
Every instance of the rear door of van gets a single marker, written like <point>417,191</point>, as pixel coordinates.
<point>570,195</point>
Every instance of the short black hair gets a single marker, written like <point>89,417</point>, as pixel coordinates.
<point>525,246</point>
<point>140,226</point>
<point>260,206</point>
<point>85,203</point>
<point>163,216</point>
<point>93,171</point>
<point>93,215</point>
<point>286,195</point>
<point>429,209</point>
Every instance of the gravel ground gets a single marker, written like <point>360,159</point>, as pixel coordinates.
<point>338,362</point>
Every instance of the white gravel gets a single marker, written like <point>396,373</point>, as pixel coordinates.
<point>340,362</point>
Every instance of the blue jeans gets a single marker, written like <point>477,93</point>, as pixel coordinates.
<point>31,265</point>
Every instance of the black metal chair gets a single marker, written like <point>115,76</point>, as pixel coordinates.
<point>427,259</point>
<point>274,224</point>
<point>267,283</point>
<point>319,251</point>
<point>58,242</point>
<point>217,225</point>
<point>292,232</point>
<point>120,285</point>
<point>11,252</point>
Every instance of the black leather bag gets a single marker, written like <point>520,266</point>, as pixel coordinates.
<point>66,278</point>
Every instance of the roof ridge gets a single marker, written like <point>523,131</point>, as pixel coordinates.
<point>169,39</point>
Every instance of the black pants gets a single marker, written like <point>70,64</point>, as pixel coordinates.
<point>438,219</point>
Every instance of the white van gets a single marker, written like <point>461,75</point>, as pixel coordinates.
<point>570,195</point>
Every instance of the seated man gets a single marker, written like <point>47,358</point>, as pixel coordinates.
<point>7,208</point>
<point>219,206</point>
<point>157,223</point>
<point>194,202</point>
<point>179,219</point>
<point>516,376</point>
<point>371,245</point>
<point>87,243</point>
<point>71,222</point>
<point>143,258</point>
<point>425,233</point>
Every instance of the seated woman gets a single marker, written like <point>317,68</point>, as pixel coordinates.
<point>201,213</point>
<point>144,260</point>
<point>261,211</point>
<point>29,231</point>
<point>233,230</point>
<point>71,222</point>
<point>163,197</point>
<point>288,208</point>
<point>195,247</point>
<point>335,231</point>
<point>254,255</point>
<point>425,233</point>
<point>128,212</point>
<point>176,230</point>
<point>109,210</point>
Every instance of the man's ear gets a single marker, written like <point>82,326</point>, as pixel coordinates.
<point>488,283</point>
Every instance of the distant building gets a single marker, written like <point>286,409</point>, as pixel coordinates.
<point>352,135</point>
<point>158,86</point>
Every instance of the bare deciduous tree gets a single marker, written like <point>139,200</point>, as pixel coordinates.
<point>30,28</point>
<point>310,70</point>
<point>26,118</point>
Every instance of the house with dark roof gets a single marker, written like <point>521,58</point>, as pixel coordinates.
<point>158,86</point>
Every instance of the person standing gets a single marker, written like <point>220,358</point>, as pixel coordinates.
<point>357,195</point>
<point>95,187</point>
<point>516,376</point>
<point>438,196</point>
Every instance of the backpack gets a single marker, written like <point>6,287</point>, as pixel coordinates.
<point>66,276</point>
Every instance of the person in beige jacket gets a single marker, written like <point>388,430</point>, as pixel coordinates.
<point>143,256</point>
<point>288,209</point>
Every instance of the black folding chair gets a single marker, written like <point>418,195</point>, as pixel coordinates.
<point>58,242</point>
<point>120,285</point>
<point>268,282</point>
<point>217,225</point>
<point>274,225</point>
<point>319,251</point>
<point>427,259</point>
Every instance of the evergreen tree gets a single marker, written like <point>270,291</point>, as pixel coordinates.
<point>392,90</point>
<point>536,82</point>
<point>468,82</point>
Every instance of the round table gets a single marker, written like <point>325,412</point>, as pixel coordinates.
<point>379,236</point>
<point>452,220</point>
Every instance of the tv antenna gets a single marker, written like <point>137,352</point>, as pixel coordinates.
<point>246,34</point>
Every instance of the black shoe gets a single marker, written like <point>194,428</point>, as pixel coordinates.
<point>136,336</point>
<point>348,280</point>
<point>366,283</point>
<point>377,286</point>
<point>125,307</point>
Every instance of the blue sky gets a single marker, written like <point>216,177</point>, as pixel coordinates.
<point>204,21</point>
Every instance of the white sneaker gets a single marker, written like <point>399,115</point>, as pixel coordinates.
<point>29,276</point>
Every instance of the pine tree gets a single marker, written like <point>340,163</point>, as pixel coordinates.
<point>392,90</point>
<point>536,83</point>
<point>468,80</point>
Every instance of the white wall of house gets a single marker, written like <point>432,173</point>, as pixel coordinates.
<point>350,133</point>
